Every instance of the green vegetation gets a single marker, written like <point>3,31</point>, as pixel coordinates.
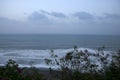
<point>76,65</point>
<point>11,71</point>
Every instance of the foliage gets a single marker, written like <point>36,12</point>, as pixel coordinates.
<point>11,71</point>
<point>76,65</point>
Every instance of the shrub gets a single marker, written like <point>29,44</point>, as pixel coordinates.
<point>11,71</point>
<point>76,65</point>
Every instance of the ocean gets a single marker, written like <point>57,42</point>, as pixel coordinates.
<point>27,49</point>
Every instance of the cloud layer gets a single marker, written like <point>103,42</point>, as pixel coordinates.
<point>56,22</point>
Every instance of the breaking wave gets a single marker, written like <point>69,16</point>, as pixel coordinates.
<point>28,57</point>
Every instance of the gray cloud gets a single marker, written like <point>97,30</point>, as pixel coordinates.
<point>37,16</point>
<point>44,12</point>
<point>109,18</point>
<point>112,16</point>
<point>84,16</point>
<point>44,17</point>
<point>11,26</point>
<point>57,14</point>
<point>6,21</point>
<point>41,22</point>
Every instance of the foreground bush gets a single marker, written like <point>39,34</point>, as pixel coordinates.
<point>11,71</point>
<point>76,65</point>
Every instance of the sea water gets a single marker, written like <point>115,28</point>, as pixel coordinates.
<point>32,49</point>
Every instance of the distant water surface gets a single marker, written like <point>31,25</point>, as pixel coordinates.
<point>37,41</point>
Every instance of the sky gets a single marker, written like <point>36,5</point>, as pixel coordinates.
<point>100,17</point>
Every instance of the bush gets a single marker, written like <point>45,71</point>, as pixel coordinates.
<point>11,71</point>
<point>76,65</point>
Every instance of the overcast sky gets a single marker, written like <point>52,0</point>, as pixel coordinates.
<point>60,17</point>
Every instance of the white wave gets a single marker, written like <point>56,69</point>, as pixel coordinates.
<point>29,57</point>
